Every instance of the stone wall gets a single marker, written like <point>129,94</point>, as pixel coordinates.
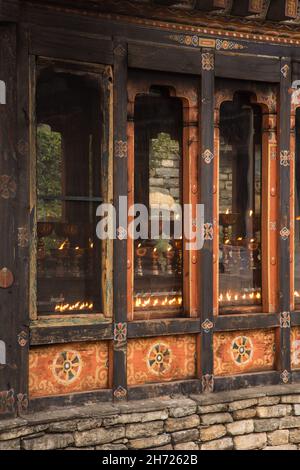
<point>261,418</point>
<point>225,183</point>
<point>165,160</point>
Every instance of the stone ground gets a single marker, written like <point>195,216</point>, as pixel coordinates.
<point>263,418</point>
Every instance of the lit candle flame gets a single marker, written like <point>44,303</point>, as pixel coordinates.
<point>63,245</point>
<point>229,297</point>
<point>76,306</point>
<point>154,301</point>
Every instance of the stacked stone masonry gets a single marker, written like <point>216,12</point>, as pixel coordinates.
<point>264,418</point>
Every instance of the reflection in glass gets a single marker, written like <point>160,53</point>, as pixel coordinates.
<point>158,181</point>
<point>240,182</point>
<point>68,192</point>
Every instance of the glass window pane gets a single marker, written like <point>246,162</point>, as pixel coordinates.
<point>68,192</point>
<point>158,182</point>
<point>240,183</point>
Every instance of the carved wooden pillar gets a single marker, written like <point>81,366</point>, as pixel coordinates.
<point>284,229</point>
<point>120,244</point>
<point>14,220</point>
<point>206,181</point>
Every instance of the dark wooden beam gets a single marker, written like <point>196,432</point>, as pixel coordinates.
<point>211,5</point>
<point>247,67</point>
<point>281,10</point>
<point>284,157</point>
<point>10,277</point>
<point>67,334</point>
<point>246,7</point>
<point>164,58</point>
<point>151,328</point>
<point>120,52</point>
<point>206,182</point>
<point>90,25</point>
<point>246,322</point>
<point>168,3</point>
<point>9,10</point>
<point>225,384</point>
<point>295,319</point>
<point>22,221</point>
<point>61,44</point>
<point>181,387</point>
<point>75,399</point>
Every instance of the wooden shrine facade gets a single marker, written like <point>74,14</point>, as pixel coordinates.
<point>191,101</point>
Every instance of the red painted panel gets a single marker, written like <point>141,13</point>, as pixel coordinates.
<point>239,352</point>
<point>68,368</point>
<point>161,359</point>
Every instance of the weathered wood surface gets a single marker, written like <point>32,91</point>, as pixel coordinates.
<point>11,303</point>
<point>206,164</point>
<point>164,58</point>
<point>284,229</point>
<point>247,67</point>
<point>120,244</point>
<point>71,45</point>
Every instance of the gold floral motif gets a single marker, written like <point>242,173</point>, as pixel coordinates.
<point>120,50</point>
<point>207,325</point>
<point>121,233</point>
<point>207,383</point>
<point>285,377</point>
<point>207,156</point>
<point>285,320</point>
<point>285,158</point>
<point>22,402</point>
<point>208,61</point>
<point>285,233</point>
<point>8,187</point>
<point>120,393</point>
<point>121,149</point>
<point>7,401</point>
<point>208,232</point>
<point>22,339</point>
<point>285,70</point>
<point>23,237</point>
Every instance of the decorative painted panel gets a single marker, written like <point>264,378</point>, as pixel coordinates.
<point>239,352</point>
<point>161,359</point>
<point>295,348</point>
<point>69,368</point>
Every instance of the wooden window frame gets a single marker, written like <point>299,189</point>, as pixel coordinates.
<point>140,83</point>
<point>44,41</point>
<point>259,96</point>
<point>104,73</point>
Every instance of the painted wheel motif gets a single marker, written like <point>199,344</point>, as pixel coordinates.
<point>159,358</point>
<point>242,350</point>
<point>67,367</point>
